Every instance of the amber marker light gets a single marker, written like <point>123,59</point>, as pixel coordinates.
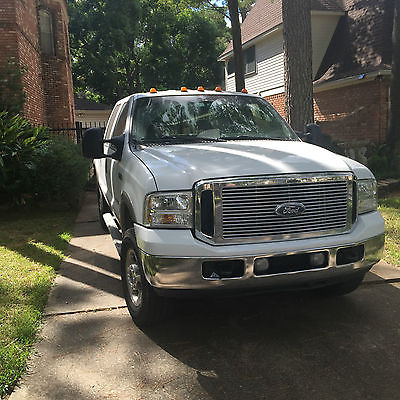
<point>183,89</point>
<point>153,90</point>
<point>218,89</point>
<point>200,89</point>
<point>244,90</point>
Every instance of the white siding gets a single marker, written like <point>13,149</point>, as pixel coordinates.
<point>269,72</point>
<point>269,77</point>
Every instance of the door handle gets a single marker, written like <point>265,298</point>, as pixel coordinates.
<point>120,176</point>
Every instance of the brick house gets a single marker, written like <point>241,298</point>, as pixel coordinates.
<point>35,34</point>
<point>351,44</point>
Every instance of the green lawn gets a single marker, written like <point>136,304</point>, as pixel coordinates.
<point>32,246</point>
<point>390,209</point>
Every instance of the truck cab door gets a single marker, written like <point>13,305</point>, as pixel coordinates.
<point>113,169</point>
<point>101,164</point>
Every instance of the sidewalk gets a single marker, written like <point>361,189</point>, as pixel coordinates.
<point>236,349</point>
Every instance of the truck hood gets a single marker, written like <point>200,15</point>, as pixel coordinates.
<point>178,167</point>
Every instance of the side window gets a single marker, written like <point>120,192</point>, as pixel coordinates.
<point>111,120</point>
<point>250,60</point>
<point>121,123</point>
<point>46,33</point>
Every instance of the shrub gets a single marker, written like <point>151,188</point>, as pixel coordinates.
<point>19,141</point>
<point>37,167</point>
<point>378,161</point>
<point>61,172</point>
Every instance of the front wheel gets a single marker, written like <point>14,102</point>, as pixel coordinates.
<point>144,305</point>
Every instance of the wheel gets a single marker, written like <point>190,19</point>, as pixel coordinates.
<point>342,288</point>
<point>102,208</point>
<point>144,305</point>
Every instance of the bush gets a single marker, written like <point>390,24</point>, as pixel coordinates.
<point>61,172</point>
<point>378,161</point>
<point>19,141</point>
<point>37,167</point>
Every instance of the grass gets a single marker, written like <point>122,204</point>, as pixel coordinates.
<point>32,246</point>
<point>390,210</point>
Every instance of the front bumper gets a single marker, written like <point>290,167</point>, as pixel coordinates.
<point>186,272</point>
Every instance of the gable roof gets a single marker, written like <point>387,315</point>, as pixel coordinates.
<point>362,42</point>
<point>267,14</point>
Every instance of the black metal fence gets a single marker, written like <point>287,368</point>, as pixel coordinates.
<point>74,133</point>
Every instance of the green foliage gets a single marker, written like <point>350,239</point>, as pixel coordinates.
<point>121,47</point>
<point>378,161</point>
<point>35,166</point>
<point>19,141</point>
<point>61,173</point>
<point>12,95</point>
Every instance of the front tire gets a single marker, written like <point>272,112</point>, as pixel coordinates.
<point>144,305</point>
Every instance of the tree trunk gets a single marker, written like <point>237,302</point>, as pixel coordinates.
<point>393,138</point>
<point>297,46</point>
<point>237,44</point>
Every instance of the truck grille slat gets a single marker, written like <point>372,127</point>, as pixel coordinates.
<point>246,210</point>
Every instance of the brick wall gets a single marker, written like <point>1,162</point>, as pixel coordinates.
<point>47,80</point>
<point>57,70</point>
<point>356,113</point>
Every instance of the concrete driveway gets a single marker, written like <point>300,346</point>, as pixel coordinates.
<point>292,346</point>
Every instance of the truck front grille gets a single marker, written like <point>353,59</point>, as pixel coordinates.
<point>248,210</point>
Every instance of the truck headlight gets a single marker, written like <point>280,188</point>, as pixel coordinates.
<point>366,194</point>
<point>174,210</point>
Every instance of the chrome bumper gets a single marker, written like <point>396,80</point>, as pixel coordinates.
<point>186,272</point>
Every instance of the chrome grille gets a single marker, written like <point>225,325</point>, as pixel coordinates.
<point>245,209</point>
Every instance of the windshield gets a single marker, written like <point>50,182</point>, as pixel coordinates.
<point>182,119</point>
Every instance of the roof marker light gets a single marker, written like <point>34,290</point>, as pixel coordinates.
<point>200,89</point>
<point>153,90</point>
<point>183,89</point>
<point>244,91</point>
<point>218,89</point>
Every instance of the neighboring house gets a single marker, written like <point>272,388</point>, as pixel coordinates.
<point>35,34</point>
<point>351,43</point>
<point>90,113</point>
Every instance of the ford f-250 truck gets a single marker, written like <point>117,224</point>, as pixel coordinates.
<point>212,192</point>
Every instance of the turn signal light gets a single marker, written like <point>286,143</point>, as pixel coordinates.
<point>153,90</point>
<point>200,89</point>
<point>183,89</point>
<point>244,90</point>
<point>218,89</point>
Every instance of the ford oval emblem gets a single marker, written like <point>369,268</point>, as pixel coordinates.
<point>290,209</point>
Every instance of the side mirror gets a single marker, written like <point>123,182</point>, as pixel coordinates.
<point>117,143</point>
<point>305,136</point>
<point>92,143</point>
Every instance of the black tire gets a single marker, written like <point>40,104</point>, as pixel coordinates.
<point>103,208</point>
<point>144,305</point>
<point>342,288</point>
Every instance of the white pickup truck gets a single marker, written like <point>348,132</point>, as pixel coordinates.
<point>212,192</point>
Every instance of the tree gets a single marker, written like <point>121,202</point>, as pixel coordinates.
<point>297,45</point>
<point>161,43</point>
<point>393,138</point>
<point>233,8</point>
<point>244,8</point>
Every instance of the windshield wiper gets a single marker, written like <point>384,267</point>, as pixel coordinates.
<point>180,139</point>
<point>246,137</point>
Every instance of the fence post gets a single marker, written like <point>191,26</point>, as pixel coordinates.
<point>78,126</point>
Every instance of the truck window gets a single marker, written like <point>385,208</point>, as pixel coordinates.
<point>121,123</point>
<point>111,120</point>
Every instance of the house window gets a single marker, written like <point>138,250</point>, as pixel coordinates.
<point>249,60</point>
<point>46,33</point>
